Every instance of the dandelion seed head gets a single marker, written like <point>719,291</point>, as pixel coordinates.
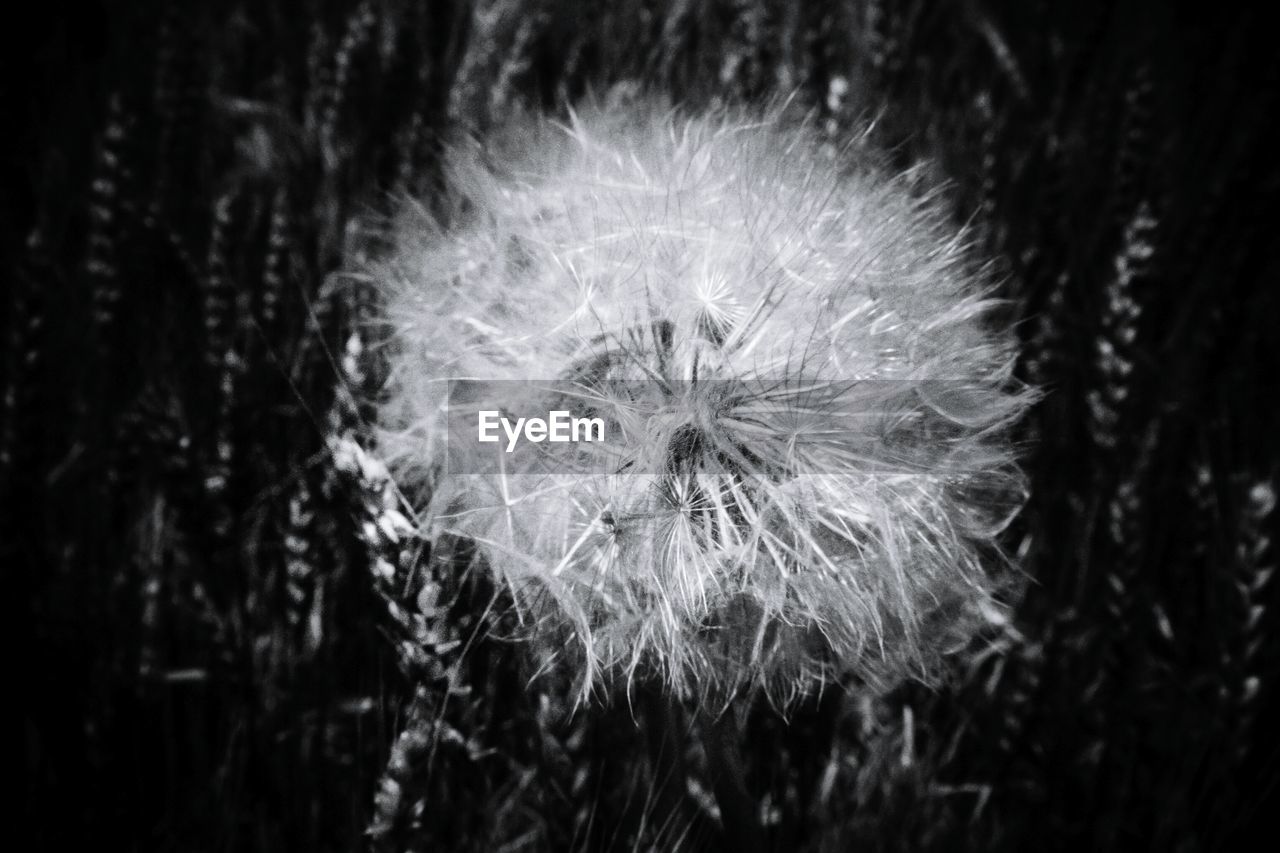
<point>815,488</point>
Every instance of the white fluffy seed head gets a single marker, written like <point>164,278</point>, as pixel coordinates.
<point>833,515</point>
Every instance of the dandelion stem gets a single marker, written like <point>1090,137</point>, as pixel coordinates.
<point>666,735</point>
<point>739,812</point>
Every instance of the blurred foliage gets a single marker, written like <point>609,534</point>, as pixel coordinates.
<point>226,639</point>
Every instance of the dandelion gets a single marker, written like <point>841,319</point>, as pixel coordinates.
<point>797,356</point>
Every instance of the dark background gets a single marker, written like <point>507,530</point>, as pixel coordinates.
<point>200,657</point>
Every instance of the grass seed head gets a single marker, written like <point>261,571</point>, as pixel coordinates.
<point>812,485</point>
